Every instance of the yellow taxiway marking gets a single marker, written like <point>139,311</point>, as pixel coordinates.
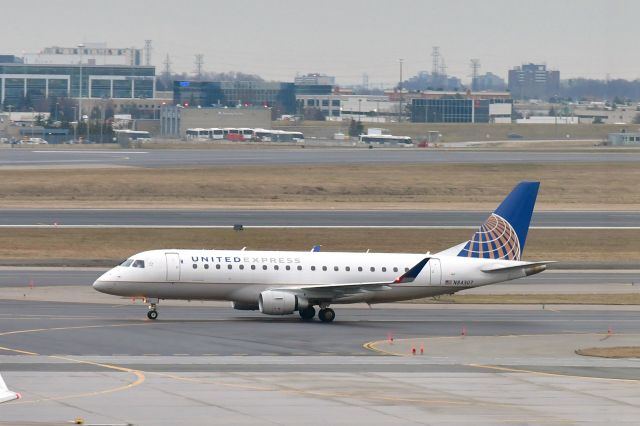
<point>140,377</point>
<point>373,346</point>
<point>544,373</point>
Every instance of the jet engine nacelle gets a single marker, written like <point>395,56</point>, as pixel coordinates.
<point>273,302</point>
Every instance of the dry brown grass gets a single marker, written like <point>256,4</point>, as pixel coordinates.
<point>615,352</point>
<point>107,245</point>
<point>537,299</point>
<point>435,186</point>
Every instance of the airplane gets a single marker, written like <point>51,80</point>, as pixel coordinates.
<point>283,282</point>
<point>5,394</point>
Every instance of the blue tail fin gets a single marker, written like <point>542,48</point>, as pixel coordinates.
<point>504,233</point>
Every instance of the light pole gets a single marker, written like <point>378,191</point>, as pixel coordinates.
<point>75,127</point>
<point>400,92</point>
<point>81,48</point>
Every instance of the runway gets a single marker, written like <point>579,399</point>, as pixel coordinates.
<point>26,157</point>
<point>299,218</point>
<point>512,366</point>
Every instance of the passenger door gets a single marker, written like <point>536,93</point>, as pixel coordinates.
<point>436,271</point>
<point>173,266</point>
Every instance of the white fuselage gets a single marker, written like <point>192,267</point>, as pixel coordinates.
<point>241,276</point>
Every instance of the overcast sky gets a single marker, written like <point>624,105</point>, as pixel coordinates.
<point>344,38</point>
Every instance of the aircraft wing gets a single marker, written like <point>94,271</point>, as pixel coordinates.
<point>6,394</point>
<point>333,291</point>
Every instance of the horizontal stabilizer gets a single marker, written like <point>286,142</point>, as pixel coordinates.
<point>6,394</point>
<point>529,268</point>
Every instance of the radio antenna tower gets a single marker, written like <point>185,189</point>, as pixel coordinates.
<point>435,61</point>
<point>365,81</point>
<point>167,66</point>
<point>147,52</point>
<point>199,63</point>
<point>443,74</point>
<point>475,68</point>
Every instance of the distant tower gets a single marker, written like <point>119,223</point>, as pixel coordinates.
<point>167,67</point>
<point>147,52</point>
<point>475,69</point>
<point>443,74</point>
<point>365,81</point>
<point>435,60</point>
<point>199,63</point>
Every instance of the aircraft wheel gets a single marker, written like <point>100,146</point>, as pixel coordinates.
<point>152,315</point>
<point>326,315</point>
<point>307,313</point>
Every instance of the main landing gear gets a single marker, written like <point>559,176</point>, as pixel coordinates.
<point>307,313</point>
<point>153,312</point>
<point>325,314</point>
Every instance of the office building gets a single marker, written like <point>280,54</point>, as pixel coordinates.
<point>533,81</point>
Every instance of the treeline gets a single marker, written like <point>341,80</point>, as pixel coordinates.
<point>588,89</point>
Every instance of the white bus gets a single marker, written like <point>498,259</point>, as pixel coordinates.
<point>198,134</point>
<point>247,134</point>
<point>216,134</point>
<point>285,136</point>
<point>386,140</point>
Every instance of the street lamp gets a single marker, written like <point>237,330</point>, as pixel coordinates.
<point>75,127</point>
<point>81,48</point>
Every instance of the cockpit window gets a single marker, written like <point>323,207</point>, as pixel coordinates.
<point>138,264</point>
<point>127,262</point>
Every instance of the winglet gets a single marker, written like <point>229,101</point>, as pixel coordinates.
<point>411,274</point>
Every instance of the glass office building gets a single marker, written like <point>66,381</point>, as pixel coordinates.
<point>452,110</point>
<point>36,82</point>
<point>233,93</point>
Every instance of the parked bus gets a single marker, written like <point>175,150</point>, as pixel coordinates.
<point>285,136</point>
<point>247,134</point>
<point>198,134</point>
<point>386,140</point>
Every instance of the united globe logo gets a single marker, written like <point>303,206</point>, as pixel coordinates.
<point>496,239</point>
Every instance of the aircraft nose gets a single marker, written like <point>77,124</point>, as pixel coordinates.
<point>103,283</point>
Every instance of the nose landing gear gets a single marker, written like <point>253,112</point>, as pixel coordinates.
<point>152,314</point>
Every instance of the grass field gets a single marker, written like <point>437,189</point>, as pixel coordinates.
<point>437,186</point>
<point>106,246</point>
<point>615,352</point>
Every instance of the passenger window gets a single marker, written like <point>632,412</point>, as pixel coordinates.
<point>241,266</point>
<point>253,267</point>
<point>324,268</point>
<point>288,268</point>
<point>347,268</point>
<point>373,269</point>
<point>264,267</point>
<point>299,268</point>
<point>195,266</point>
<point>206,266</point>
<point>395,269</point>
<point>335,268</point>
<point>276,267</point>
<point>229,266</point>
<point>218,266</point>
<point>406,269</point>
<point>359,268</point>
<point>384,269</point>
